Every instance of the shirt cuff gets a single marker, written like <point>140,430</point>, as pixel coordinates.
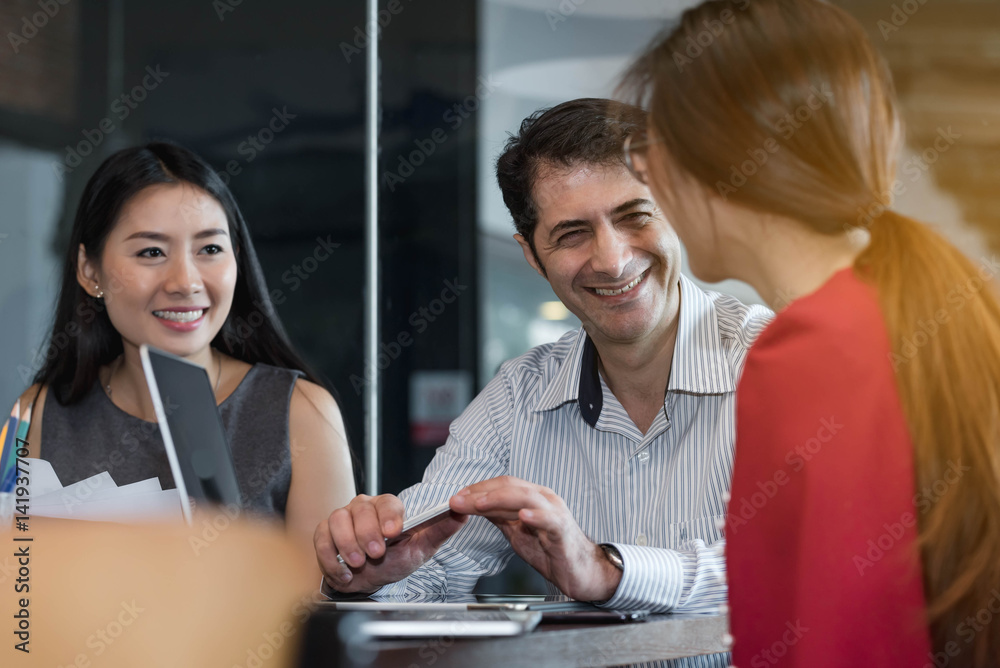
<point>652,579</point>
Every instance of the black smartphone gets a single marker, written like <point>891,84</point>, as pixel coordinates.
<point>595,617</point>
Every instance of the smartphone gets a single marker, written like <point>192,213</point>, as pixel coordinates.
<point>426,518</point>
<point>596,617</point>
<point>416,522</point>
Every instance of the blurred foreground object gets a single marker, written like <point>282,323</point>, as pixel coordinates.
<point>220,593</point>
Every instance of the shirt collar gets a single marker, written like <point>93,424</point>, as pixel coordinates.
<point>565,385</point>
<point>700,364</point>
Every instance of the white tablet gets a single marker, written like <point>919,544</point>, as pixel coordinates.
<point>456,624</point>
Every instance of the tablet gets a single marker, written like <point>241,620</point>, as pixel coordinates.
<point>196,444</point>
<point>455,624</point>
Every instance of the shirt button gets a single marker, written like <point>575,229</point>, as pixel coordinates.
<point>727,640</point>
<point>644,456</point>
<point>641,540</point>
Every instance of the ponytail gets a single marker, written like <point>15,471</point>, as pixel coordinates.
<point>943,318</point>
<point>800,83</point>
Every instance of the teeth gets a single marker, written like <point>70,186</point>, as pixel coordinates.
<point>179,316</point>
<point>609,293</point>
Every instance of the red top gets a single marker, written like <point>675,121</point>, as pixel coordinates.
<point>823,565</point>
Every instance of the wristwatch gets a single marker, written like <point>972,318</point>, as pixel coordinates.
<point>613,555</point>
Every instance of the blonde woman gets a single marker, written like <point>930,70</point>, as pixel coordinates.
<point>864,525</point>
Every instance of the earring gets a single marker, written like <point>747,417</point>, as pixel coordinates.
<point>100,293</point>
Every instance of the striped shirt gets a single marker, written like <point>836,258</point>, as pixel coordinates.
<point>548,417</point>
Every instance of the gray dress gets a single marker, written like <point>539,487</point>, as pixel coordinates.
<point>94,435</point>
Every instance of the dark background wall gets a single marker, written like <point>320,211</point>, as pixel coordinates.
<point>272,94</point>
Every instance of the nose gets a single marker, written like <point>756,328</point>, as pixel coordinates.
<point>183,277</point>
<point>612,251</point>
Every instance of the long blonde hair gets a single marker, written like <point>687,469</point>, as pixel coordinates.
<point>796,88</point>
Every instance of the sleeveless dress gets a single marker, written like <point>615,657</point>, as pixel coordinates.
<point>94,435</point>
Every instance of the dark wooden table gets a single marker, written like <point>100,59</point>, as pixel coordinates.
<point>557,645</point>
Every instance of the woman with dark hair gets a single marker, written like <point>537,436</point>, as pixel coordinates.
<point>864,524</point>
<point>160,254</point>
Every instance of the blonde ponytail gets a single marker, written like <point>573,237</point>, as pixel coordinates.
<point>943,318</point>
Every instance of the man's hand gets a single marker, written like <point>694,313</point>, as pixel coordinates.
<point>544,533</point>
<point>358,532</point>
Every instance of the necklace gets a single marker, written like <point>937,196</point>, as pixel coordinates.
<point>121,358</point>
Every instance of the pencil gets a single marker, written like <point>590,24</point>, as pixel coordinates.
<point>8,436</point>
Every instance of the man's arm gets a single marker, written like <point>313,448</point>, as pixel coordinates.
<point>478,447</point>
<point>689,580</point>
<point>478,550</point>
<point>544,533</point>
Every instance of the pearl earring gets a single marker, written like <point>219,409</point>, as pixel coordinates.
<point>100,293</point>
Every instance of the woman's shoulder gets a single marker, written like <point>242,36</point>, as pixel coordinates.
<point>306,395</point>
<point>840,321</point>
<point>825,345</point>
<point>36,393</point>
<point>269,371</point>
<point>313,409</point>
<point>34,396</point>
<point>309,394</point>
<point>303,387</point>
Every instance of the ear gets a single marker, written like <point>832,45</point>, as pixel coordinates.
<point>87,273</point>
<point>529,255</point>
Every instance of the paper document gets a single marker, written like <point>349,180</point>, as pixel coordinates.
<point>99,499</point>
<point>468,624</point>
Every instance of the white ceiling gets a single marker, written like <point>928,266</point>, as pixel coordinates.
<point>620,9</point>
<point>541,59</point>
<point>563,78</point>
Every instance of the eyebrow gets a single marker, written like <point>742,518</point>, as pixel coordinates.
<point>565,225</point>
<point>631,204</point>
<point>159,236</point>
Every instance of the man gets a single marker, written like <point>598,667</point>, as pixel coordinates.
<point>603,459</point>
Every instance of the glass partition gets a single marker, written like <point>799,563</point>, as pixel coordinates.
<point>273,95</point>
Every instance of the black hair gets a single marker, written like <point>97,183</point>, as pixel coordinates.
<point>83,337</point>
<point>584,131</point>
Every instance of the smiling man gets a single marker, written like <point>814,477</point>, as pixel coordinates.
<point>602,459</point>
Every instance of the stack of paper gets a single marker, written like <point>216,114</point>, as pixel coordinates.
<point>99,499</point>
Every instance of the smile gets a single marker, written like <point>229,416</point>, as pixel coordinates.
<point>180,316</point>
<point>626,288</point>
